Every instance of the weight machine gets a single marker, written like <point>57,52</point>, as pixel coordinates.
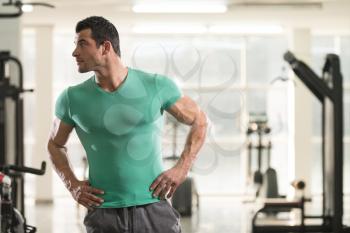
<point>329,91</point>
<point>265,181</point>
<point>12,202</point>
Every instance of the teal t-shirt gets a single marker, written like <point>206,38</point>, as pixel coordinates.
<point>121,133</point>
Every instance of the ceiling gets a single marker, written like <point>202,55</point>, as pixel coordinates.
<point>289,13</point>
<point>129,3</point>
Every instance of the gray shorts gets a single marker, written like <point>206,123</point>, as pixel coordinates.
<point>159,217</point>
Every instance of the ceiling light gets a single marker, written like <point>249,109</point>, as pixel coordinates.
<point>180,8</point>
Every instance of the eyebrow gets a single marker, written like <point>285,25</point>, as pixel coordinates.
<point>80,40</point>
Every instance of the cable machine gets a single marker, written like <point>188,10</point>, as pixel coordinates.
<point>328,89</point>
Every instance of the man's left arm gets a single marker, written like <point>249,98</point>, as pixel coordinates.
<point>186,111</point>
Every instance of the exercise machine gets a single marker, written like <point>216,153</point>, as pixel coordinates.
<point>328,89</point>
<point>11,220</point>
<point>265,182</point>
<point>10,92</point>
<point>17,5</point>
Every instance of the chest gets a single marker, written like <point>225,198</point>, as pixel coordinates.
<point>115,115</point>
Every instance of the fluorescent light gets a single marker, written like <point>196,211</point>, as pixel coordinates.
<point>174,7</point>
<point>169,29</point>
<point>27,8</point>
<point>199,29</point>
<point>246,29</point>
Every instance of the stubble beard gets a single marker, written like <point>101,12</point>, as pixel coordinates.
<point>83,69</point>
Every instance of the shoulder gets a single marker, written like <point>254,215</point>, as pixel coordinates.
<point>80,86</point>
<point>73,91</point>
<point>79,89</point>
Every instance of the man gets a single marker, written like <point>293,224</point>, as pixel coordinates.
<point>117,115</point>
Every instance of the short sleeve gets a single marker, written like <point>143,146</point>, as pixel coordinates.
<point>62,108</point>
<point>168,91</point>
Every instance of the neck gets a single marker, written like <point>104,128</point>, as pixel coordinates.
<point>112,75</point>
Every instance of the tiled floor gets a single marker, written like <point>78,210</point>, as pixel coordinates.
<point>224,214</point>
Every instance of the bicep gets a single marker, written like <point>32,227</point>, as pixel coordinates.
<point>60,132</point>
<point>185,110</point>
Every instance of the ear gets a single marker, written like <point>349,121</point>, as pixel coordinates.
<point>106,47</point>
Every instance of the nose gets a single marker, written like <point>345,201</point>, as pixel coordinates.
<point>75,52</point>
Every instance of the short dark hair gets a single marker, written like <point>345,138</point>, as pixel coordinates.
<point>101,30</point>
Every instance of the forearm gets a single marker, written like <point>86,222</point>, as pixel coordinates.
<point>60,162</point>
<point>194,141</point>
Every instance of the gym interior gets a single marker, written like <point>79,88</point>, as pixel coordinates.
<point>273,77</point>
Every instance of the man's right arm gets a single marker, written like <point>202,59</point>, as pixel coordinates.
<point>81,191</point>
<point>59,135</point>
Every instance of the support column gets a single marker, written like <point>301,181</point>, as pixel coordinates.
<point>300,114</point>
<point>43,114</point>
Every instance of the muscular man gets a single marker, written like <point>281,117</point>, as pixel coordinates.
<point>117,114</point>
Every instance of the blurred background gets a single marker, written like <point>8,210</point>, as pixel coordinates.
<point>227,56</point>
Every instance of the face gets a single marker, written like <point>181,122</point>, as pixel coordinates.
<point>87,55</point>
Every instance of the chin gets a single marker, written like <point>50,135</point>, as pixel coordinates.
<point>82,70</point>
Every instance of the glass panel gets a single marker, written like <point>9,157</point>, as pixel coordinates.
<point>212,167</point>
<point>345,58</point>
<point>277,109</point>
<point>220,67</point>
<point>189,60</point>
<point>265,58</point>
<point>256,101</point>
<point>224,110</point>
<point>151,57</point>
<point>320,47</point>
